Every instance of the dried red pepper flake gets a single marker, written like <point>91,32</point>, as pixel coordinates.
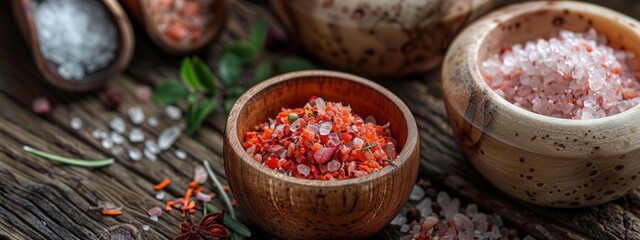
<point>322,140</point>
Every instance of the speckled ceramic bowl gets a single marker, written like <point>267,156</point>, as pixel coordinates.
<point>378,38</point>
<point>542,160</point>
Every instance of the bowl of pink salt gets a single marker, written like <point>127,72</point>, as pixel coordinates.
<point>321,155</point>
<point>543,96</point>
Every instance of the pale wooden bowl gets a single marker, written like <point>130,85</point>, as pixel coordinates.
<point>538,159</point>
<point>219,9</point>
<point>378,38</point>
<point>24,17</point>
<point>293,208</point>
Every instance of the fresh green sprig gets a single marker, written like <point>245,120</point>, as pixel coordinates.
<point>368,147</point>
<point>69,161</point>
<point>235,225</point>
<point>223,193</point>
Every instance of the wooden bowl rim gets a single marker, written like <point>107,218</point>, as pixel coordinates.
<point>517,10</point>
<point>236,147</point>
<point>124,51</point>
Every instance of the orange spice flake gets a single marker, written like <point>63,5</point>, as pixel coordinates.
<point>164,183</point>
<point>111,212</point>
<point>322,140</point>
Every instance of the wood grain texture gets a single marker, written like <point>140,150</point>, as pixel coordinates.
<point>294,208</point>
<point>542,160</point>
<point>38,197</point>
<point>140,11</point>
<point>24,18</point>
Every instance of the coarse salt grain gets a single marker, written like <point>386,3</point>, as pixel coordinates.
<point>572,75</point>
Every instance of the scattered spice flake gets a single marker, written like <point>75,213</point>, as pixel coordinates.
<point>164,183</point>
<point>301,142</point>
<point>111,212</point>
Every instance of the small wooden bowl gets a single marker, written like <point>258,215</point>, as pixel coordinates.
<point>378,38</point>
<point>293,208</point>
<point>219,9</point>
<point>24,17</point>
<point>539,159</point>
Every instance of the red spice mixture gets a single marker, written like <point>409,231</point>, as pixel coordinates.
<point>181,20</point>
<point>322,140</point>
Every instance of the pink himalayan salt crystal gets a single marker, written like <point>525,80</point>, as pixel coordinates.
<point>200,174</point>
<point>155,211</point>
<point>571,75</point>
<point>203,197</point>
<point>41,106</point>
<point>143,93</point>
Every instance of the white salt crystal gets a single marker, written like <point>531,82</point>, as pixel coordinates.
<point>117,150</point>
<point>106,143</point>
<point>160,195</point>
<point>200,174</point>
<point>152,121</point>
<point>135,154</point>
<point>295,125</point>
<point>151,146</point>
<point>136,115</point>
<point>417,193</point>
<point>424,207</point>
<point>405,228</point>
<point>181,154</point>
<point>304,169</point>
<point>149,155</point>
<point>472,209</point>
<point>399,220</point>
<point>118,125</point>
<point>136,135</point>
<point>321,105</point>
<point>146,227</point>
<point>98,134</point>
<point>325,128</point>
<point>168,137</point>
<point>173,112</point>
<point>75,123</point>
<point>153,218</point>
<point>117,138</point>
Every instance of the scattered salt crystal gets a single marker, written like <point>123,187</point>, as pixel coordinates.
<point>180,154</point>
<point>173,112</point>
<point>151,145</point>
<point>117,138</point>
<point>98,134</point>
<point>143,93</point>
<point>136,115</point>
<point>135,154</point>
<point>168,137</point>
<point>136,135</point>
<point>333,165</point>
<point>203,197</point>
<point>430,222</point>
<point>424,207</point>
<point>41,106</point>
<point>153,218</point>
<point>118,125</point>
<point>443,199</point>
<point>200,174</point>
<point>106,143</point>
<point>358,143</point>
<point>577,76</point>
<point>155,211</point>
<point>160,195</point>
<point>117,150</point>
<point>417,193</point>
<point>149,155</point>
<point>325,128</point>
<point>463,223</point>
<point>472,209</point>
<point>146,228</point>
<point>321,105</point>
<point>405,228</point>
<point>399,220</point>
<point>295,125</point>
<point>75,123</point>
<point>498,220</point>
<point>304,169</point>
<point>152,121</point>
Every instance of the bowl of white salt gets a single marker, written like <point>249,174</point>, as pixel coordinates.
<point>542,97</point>
<point>77,45</point>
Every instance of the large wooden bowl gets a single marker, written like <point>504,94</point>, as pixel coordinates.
<point>293,208</point>
<point>538,159</point>
<point>378,38</point>
<point>219,10</point>
<point>24,17</point>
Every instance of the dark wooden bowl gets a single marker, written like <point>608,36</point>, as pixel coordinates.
<point>23,14</point>
<point>141,14</point>
<point>294,208</point>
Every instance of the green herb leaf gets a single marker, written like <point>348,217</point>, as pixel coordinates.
<point>204,75</point>
<point>368,147</point>
<point>192,111</point>
<point>235,225</point>
<point>236,236</point>
<point>290,64</point>
<point>201,113</point>
<point>228,104</point>
<point>188,73</point>
<point>245,51</point>
<point>170,92</point>
<point>263,71</point>
<point>221,191</point>
<point>230,67</point>
<point>69,161</point>
<point>259,34</point>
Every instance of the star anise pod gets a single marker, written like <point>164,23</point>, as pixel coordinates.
<point>209,227</point>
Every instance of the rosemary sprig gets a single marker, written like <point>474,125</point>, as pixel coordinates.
<point>223,193</point>
<point>69,161</point>
<point>368,147</point>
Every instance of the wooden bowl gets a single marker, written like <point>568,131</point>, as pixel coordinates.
<point>219,9</point>
<point>378,38</point>
<point>24,17</point>
<point>539,159</point>
<point>294,208</point>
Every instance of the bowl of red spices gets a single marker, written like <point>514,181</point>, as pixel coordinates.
<point>542,97</point>
<point>306,157</point>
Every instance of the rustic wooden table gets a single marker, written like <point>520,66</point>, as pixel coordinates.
<point>43,200</point>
